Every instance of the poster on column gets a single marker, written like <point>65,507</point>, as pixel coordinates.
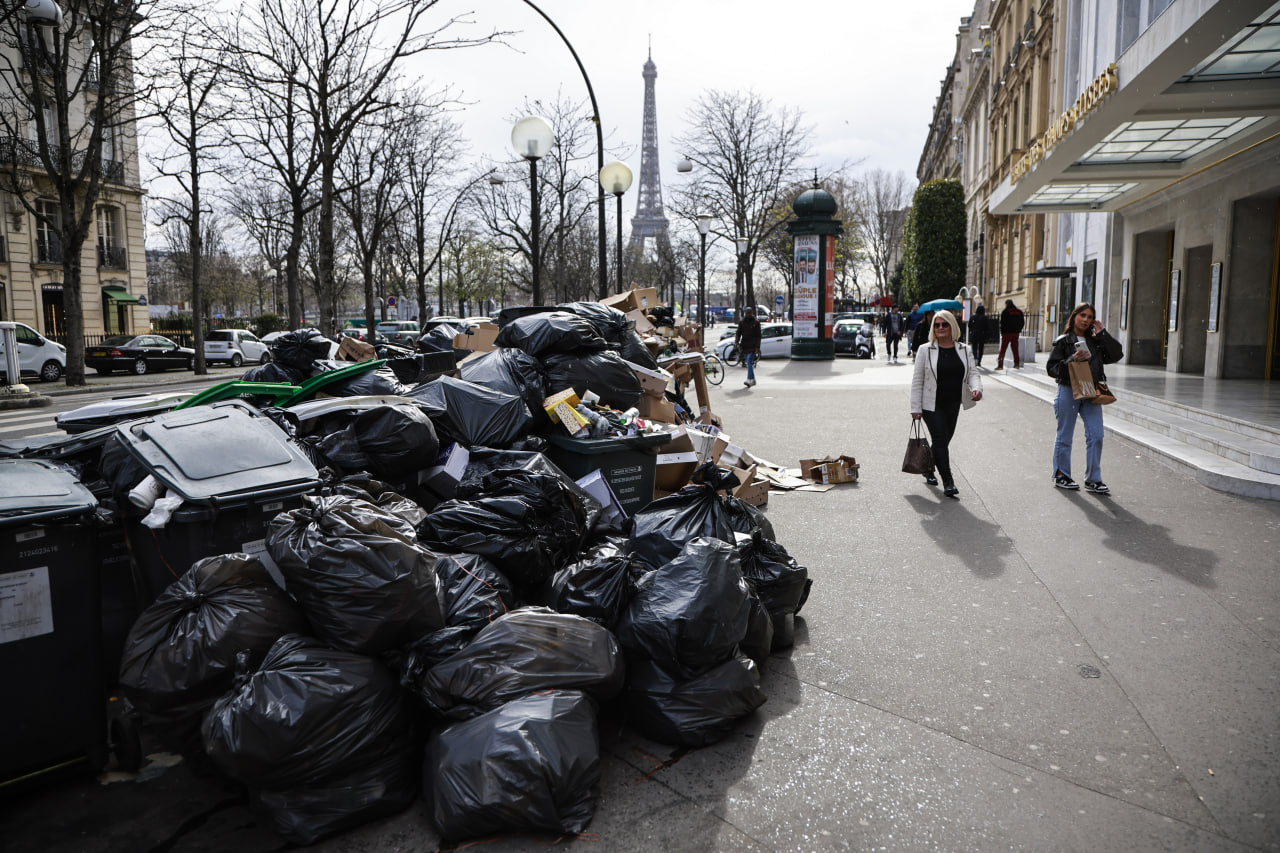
<point>829,286</point>
<point>805,321</point>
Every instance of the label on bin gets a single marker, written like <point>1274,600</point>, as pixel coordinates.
<point>26,607</point>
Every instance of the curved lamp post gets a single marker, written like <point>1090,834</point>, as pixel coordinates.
<point>740,243</point>
<point>616,178</point>
<point>532,137</point>
<point>704,225</point>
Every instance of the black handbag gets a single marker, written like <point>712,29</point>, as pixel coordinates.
<point>919,458</point>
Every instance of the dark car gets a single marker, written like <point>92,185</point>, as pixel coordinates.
<point>845,335</point>
<point>138,354</point>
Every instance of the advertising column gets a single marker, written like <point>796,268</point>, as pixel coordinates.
<point>814,231</point>
<point>805,310</point>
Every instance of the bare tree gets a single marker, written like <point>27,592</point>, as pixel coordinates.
<point>262,209</point>
<point>746,158</point>
<point>188,102</point>
<point>69,87</point>
<point>436,145</point>
<point>885,198</point>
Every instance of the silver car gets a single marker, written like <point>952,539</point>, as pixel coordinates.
<point>235,346</point>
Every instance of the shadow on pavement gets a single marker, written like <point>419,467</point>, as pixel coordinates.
<point>1125,533</point>
<point>979,544</point>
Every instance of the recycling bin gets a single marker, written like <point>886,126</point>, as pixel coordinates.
<point>234,469</point>
<point>54,713</point>
<point>626,463</point>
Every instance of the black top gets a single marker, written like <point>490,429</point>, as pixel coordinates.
<point>748,336</point>
<point>950,378</point>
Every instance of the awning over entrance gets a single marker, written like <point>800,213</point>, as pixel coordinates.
<point>118,293</point>
<point>1051,272</point>
<point>1199,87</point>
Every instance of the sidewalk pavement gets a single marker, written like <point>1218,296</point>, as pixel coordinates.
<point>1022,668</point>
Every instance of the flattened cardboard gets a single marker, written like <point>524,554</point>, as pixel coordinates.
<point>351,349</point>
<point>443,477</point>
<point>480,340</point>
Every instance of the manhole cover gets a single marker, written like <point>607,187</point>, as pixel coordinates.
<point>1087,671</point>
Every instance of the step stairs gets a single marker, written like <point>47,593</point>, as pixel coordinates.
<point>1220,451</point>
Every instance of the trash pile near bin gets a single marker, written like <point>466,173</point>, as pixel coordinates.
<point>389,587</point>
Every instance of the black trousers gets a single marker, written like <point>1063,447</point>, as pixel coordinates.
<point>941,424</point>
<point>977,350</point>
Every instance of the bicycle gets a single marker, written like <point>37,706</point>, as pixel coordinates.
<point>713,368</point>
<point>732,356</point>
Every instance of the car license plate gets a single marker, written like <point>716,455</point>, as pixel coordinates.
<point>99,353</point>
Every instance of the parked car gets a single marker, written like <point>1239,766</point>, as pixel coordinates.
<point>140,354</point>
<point>845,335</point>
<point>402,332</point>
<point>235,346</point>
<point>775,341</point>
<point>37,355</point>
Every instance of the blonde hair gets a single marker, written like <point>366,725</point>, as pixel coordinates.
<point>951,321</point>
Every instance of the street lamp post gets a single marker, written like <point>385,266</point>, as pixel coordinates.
<point>616,178</point>
<point>532,138</point>
<point>704,225</point>
<point>740,243</point>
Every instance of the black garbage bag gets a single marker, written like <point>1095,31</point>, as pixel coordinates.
<point>634,351</point>
<point>662,315</point>
<point>690,712</point>
<point>473,592</point>
<point>782,584</point>
<point>611,323</point>
<point>527,523</point>
<point>486,459</point>
<point>758,642</point>
<point>324,739</point>
<point>604,373</point>
<point>690,614</point>
<point>417,658</point>
<point>392,441</point>
<point>472,414</point>
<point>380,382</point>
<point>180,655</point>
<point>414,367</point>
<point>299,348</point>
<point>660,531</point>
<point>364,582</point>
<point>528,650</point>
<point>556,331</point>
<point>274,371</point>
<point>531,765</point>
<point>121,471</point>
<point>365,487</point>
<point>745,518</point>
<point>438,339</point>
<point>510,371</point>
<point>598,585</point>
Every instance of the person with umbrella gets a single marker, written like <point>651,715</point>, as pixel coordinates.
<point>945,380</point>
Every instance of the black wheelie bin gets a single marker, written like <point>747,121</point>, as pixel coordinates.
<point>235,471</point>
<point>627,463</point>
<point>54,713</point>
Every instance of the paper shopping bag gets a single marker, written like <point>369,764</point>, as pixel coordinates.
<point>1082,387</point>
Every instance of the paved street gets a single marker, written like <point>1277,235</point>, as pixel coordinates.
<point>1021,669</point>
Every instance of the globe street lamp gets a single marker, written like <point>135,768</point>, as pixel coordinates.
<point>616,178</point>
<point>532,137</point>
<point>704,225</point>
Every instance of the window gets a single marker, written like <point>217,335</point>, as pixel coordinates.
<point>111,255</point>
<point>48,236</point>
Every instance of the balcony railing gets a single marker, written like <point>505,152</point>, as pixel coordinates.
<point>27,153</point>
<point>48,250</point>
<point>113,257</point>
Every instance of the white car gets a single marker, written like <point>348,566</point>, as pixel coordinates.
<point>37,355</point>
<point>235,346</point>
<point>775,342</point>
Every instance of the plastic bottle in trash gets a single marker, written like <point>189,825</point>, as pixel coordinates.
<point>599,426</point>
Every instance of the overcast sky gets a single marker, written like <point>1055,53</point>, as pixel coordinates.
<point>865,73</point>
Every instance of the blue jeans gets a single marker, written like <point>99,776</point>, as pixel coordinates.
<point>1066,409</point>
<point>749,358</point>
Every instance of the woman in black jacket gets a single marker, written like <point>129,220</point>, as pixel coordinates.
<point>1099,348</point>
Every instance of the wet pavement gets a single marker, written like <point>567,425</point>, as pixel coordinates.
<point>1022,668</point>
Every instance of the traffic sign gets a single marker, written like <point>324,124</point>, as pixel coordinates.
<point>391,301</point>
<point>779,301</point>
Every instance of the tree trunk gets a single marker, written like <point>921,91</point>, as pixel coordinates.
<point>324,253</point>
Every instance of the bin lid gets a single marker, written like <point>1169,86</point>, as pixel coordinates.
<point>226,451</point>
<point>609,445</point>
<point>33,490</point>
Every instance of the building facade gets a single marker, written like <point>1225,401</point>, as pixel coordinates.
<point>113,279</point>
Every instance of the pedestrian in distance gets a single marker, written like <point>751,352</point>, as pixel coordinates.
<point>913,322</point>
<point>1011,322</point>
<point>1083,339</point>
<point>747,340</point>
<point>979,332</point>
<point>924,330</point>
<point>945,380</point>
<point>891,324</point>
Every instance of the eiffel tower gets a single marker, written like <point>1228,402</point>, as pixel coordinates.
<point>649,220</point>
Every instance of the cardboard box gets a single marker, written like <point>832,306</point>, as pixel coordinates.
<point>732,455</point>
<point>675,469</point>
<point>637,299</point>
<point>653,382</point>
<point>480,340</point>
<point>828,470</point>
<point>598,487</point>
<point>710,448</point>
<point>643,326</point>
<point>443,477</point>
<point>562,408</point>
<point>351,349</point>
<point>751,488</point>
<point>657,409</point>
<point>646,298</point>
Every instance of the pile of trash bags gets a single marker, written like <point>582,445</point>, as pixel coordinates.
<point>383,641</point>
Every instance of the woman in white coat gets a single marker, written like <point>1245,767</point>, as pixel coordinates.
<point>945,380</point>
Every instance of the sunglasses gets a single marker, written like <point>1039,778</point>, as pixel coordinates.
<point>943,325</point>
